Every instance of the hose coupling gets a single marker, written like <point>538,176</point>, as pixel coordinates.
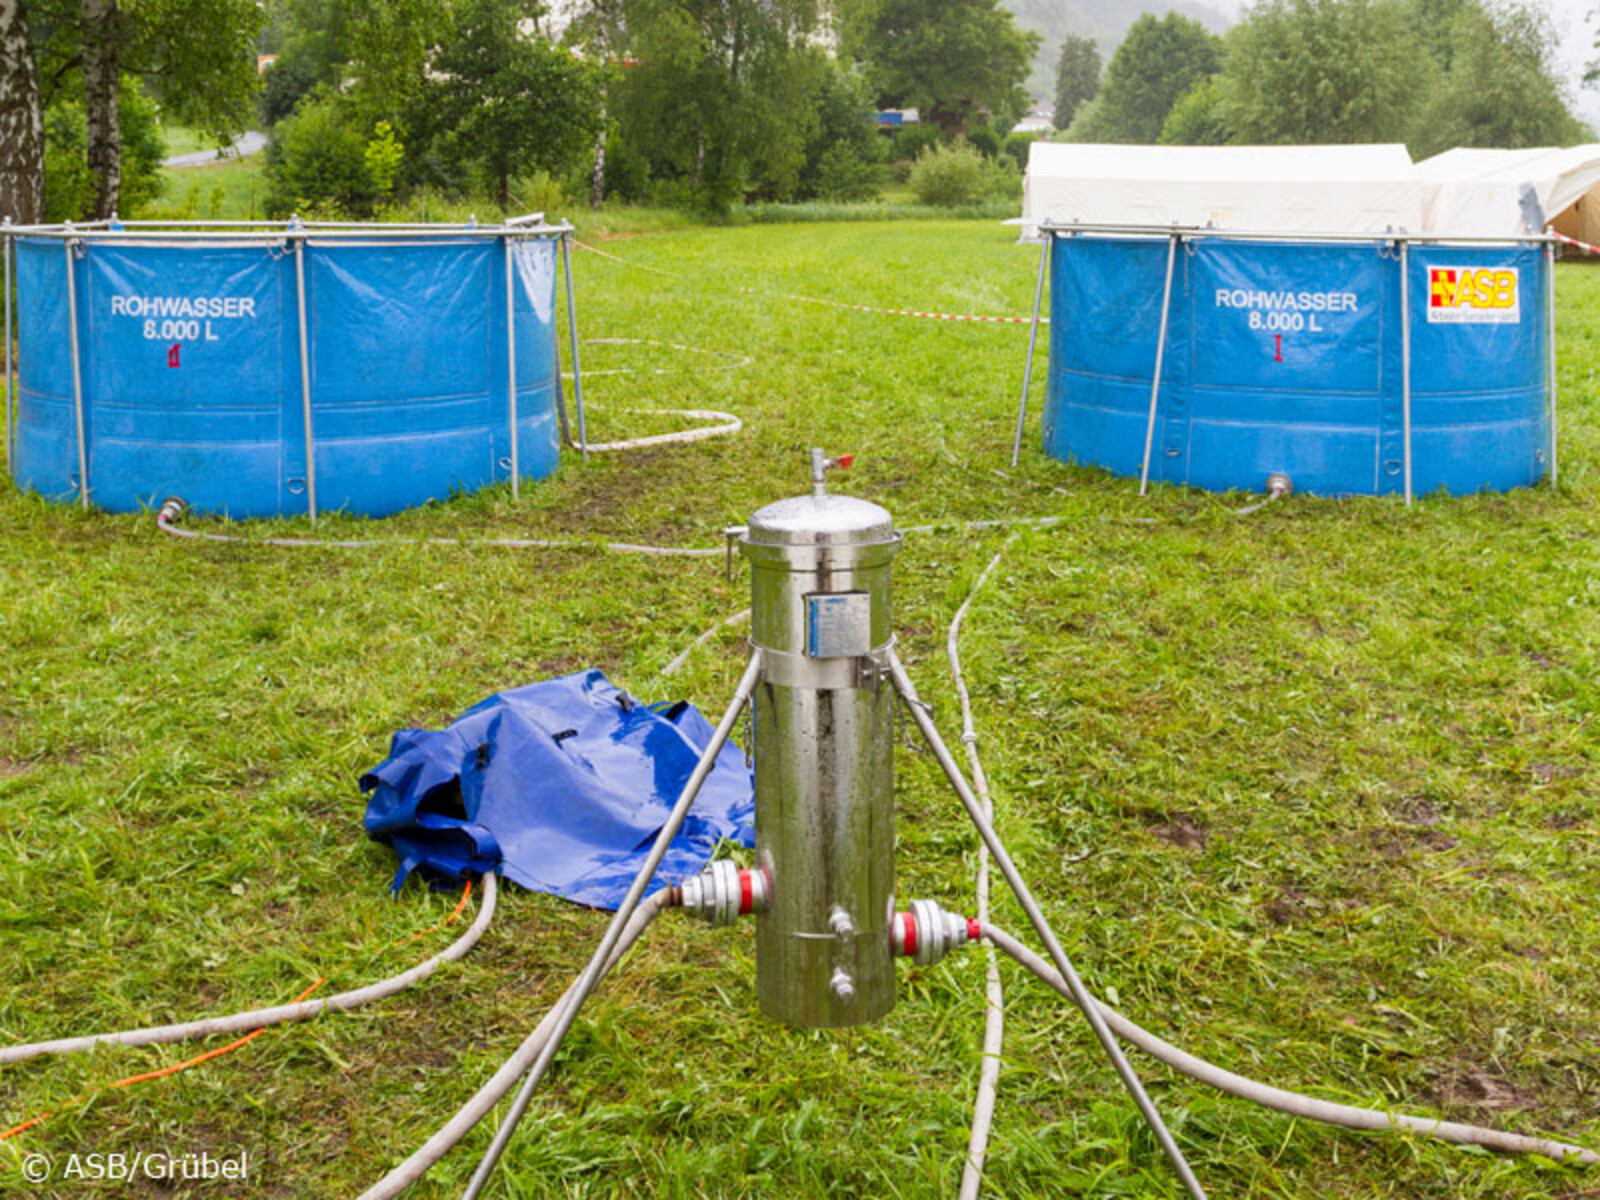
<point>1279,485</point>
<point>172,510</point>
<point>722,893</point>
<point>929,931</point>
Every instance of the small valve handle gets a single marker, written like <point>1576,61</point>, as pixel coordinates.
<point>821,464</point>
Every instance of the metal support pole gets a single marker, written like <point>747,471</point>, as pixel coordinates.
<point>1550,303</point>
<point>1161,352</point>
<point>305,377</point>
<point>77,377</point>
<point>1041,925</point>
<point>11,441</point>
<point>572,330</point>
<point>596,967</point>
<point>1048,239</point>
<point>1405,363</point>
<point>511,367</point>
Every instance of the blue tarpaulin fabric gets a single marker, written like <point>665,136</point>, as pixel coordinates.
<point>561,786</point>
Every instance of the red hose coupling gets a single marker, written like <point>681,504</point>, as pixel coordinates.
<point>929,931</point>
<point>722,893</point>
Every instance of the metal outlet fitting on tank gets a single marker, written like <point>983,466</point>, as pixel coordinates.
<point>824,755</point>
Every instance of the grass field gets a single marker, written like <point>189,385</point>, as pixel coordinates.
<point>1335,767</point>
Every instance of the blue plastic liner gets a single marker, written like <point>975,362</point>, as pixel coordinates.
<point>562,787</point>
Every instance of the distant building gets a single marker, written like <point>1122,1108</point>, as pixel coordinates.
<point>894,118</point>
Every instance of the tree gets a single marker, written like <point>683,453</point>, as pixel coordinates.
<point>722,103</point>
<point>1077,77</point>
<point>1157,63</point>
<point>21,119</point>
<point>196,56</point>
<point>959,61</point>
<point>1197,119</point>
<point>506,102</point>
<point>1499,89</point>
<point>1302,71</point>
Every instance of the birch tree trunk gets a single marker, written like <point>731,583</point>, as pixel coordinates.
<point>21,121</point>
<point>100,37</point>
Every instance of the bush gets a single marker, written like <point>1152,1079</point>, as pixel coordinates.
<point>842,174</point>
<point>69,187</point>
<point>950,176</point>
<point>1016,148</point>
<point>986,140</point>
<point>318,162</point>
<point>911,140</point>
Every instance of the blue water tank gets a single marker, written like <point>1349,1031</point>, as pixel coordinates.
<point>1287,356</point>
<point>190,362</point>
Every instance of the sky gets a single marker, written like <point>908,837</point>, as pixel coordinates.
<point>1575,30</point>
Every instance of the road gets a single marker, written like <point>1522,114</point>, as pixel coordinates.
<point>248,144</point>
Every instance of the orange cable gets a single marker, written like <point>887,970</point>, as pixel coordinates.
<point>238,1043</point>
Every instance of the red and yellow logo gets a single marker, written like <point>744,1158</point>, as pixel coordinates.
<point>1485,294</point>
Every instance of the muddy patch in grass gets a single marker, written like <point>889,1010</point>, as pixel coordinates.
<point>1183,832</point>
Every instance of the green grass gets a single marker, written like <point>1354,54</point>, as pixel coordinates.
<point>183,139</point>
<point>1337,764</point>
<point>232,190</point>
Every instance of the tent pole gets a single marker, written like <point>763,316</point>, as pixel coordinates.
<point>1045,242</point>
<point>1550,337</point>
<point>1405,363</point>
<point>1161,350</point>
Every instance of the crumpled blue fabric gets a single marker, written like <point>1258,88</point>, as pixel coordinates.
<point>561,786</point>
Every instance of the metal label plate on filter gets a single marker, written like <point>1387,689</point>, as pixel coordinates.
<point>838,624</point>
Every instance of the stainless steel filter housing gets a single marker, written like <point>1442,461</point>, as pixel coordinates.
<point>824,758</point>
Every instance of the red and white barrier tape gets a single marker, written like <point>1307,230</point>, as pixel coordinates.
<point>799,299</point>
<point>1561,237</point>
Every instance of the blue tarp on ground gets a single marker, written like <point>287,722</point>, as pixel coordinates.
<point>561,786</point>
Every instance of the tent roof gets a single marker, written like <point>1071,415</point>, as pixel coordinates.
<point>1481,191</point>
<point>1270,189</point>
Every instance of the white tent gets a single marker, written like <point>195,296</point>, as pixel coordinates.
<point>1267,189</point>
<point>1509,193</point>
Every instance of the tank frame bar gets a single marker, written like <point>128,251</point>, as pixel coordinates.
<point>11,391</point>
<point>1390,237</point>
<point>1179,234</point>
<point>271,231</point>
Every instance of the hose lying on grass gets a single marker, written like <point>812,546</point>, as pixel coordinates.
<point>510,1072</point>
<point>994,995</point>
<point>261,1018</point>
<point>1293,1103</point>
<point>173,510</point>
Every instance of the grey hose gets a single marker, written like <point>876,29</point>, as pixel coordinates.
<point>994,1020</point>
<point>166,521</point>
<point>503,1080</point>
<point>173,509</point>
<point>261,1018</point>
<point>1293,1103</point>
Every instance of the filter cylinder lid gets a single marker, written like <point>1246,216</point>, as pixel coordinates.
<point>821,521</point>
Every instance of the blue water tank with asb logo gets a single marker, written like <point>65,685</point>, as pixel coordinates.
<point>1287,356</point>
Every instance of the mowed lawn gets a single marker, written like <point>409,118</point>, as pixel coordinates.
<point>1312,792</point>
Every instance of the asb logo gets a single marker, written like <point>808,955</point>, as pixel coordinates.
<point>1474,296</point>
